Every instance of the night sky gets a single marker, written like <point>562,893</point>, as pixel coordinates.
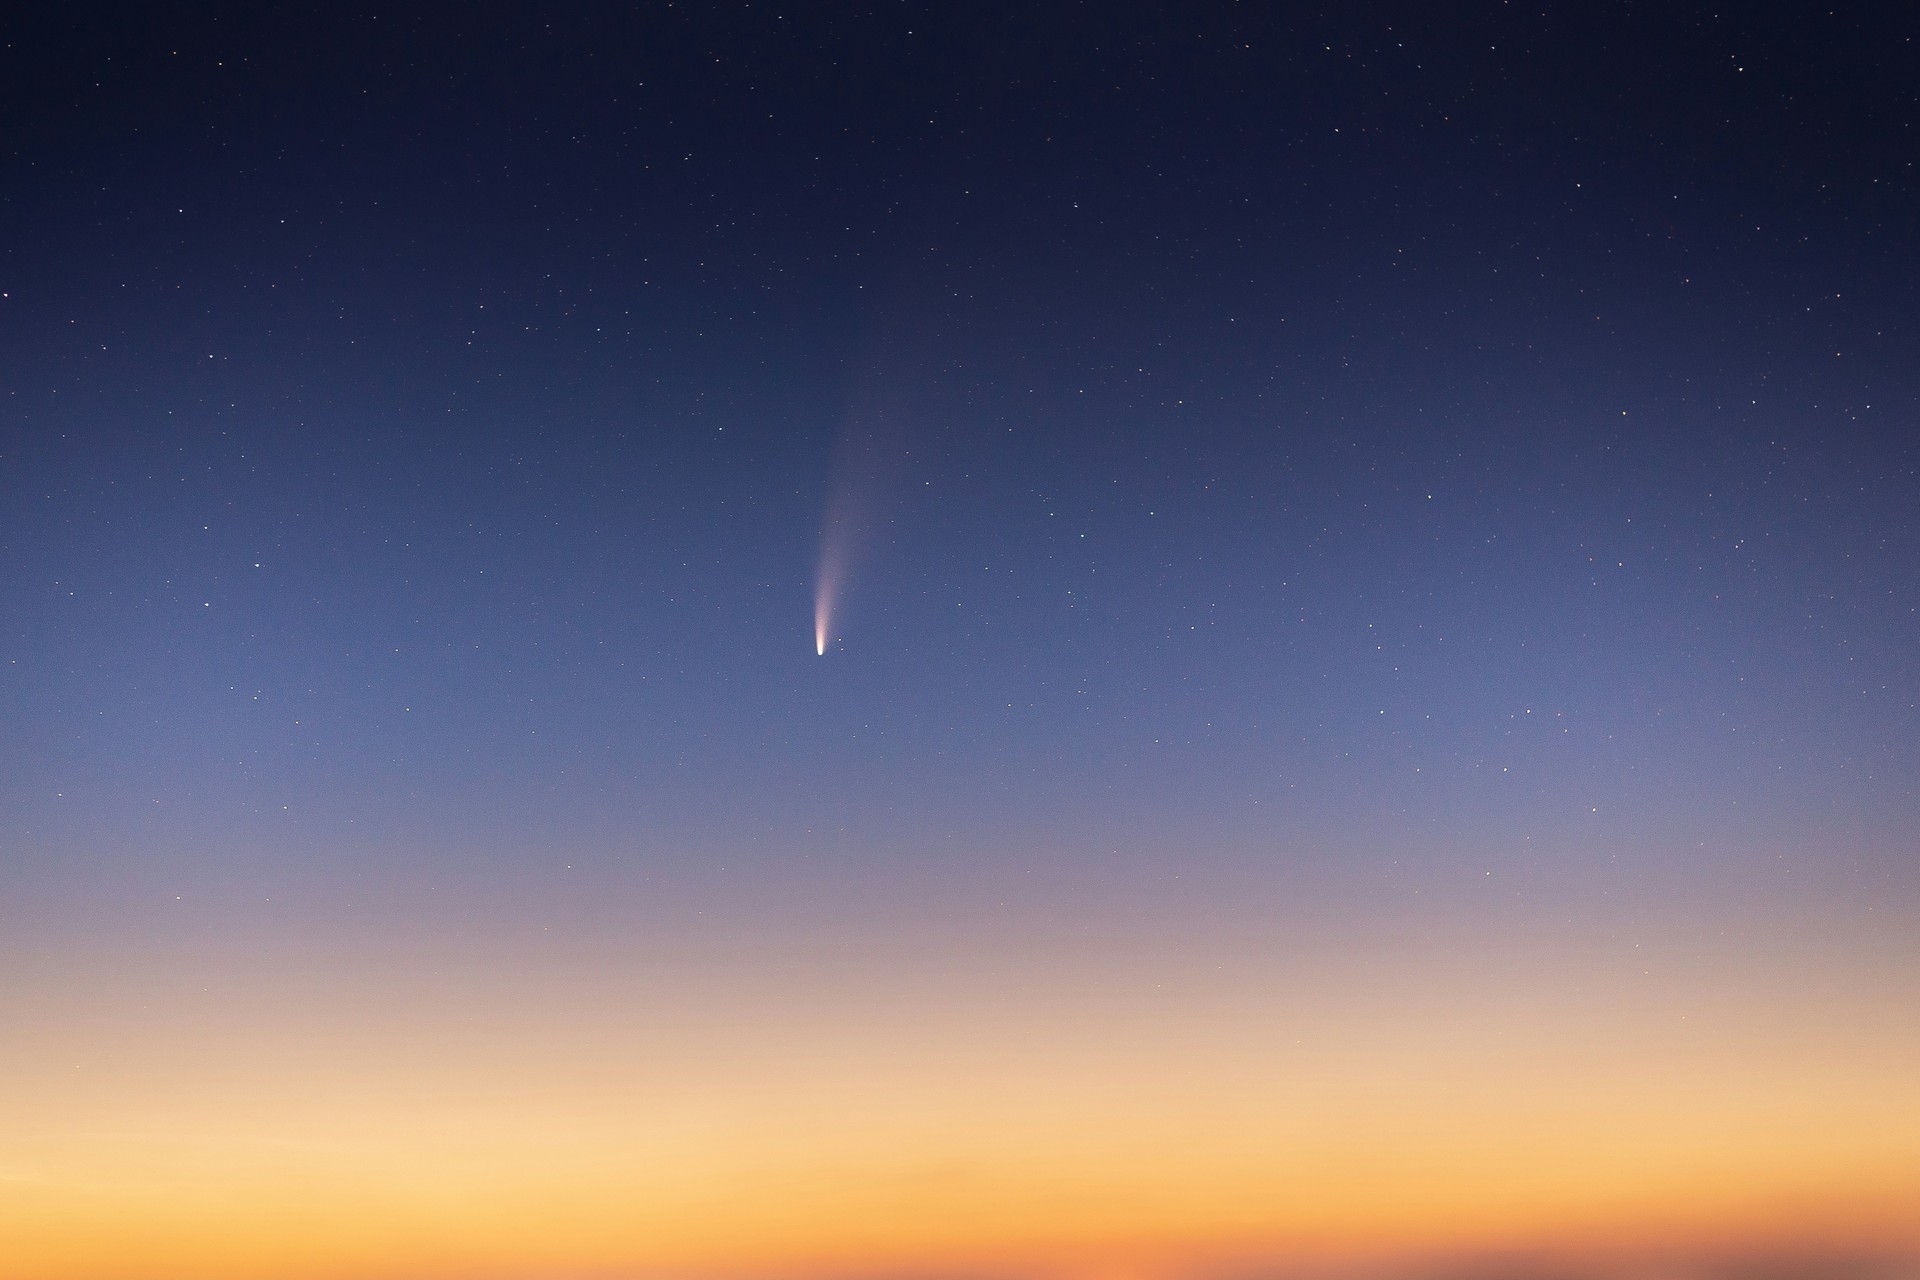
<point>1368,565</point>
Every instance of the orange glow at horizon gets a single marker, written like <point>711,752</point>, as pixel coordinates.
<point>1067,1120</point>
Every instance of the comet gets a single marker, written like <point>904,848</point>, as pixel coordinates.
<point>865,480</point>
<point>858,482</point>
<point>826,591</point>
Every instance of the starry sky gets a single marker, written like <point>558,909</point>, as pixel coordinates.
<point>1367,564</point>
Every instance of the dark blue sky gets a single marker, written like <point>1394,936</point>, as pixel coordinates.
<point>1244,372</point>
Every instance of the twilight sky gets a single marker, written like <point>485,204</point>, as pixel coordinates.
<point>1368,567</point>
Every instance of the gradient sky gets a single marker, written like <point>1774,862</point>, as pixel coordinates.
<point>1371,705</point>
